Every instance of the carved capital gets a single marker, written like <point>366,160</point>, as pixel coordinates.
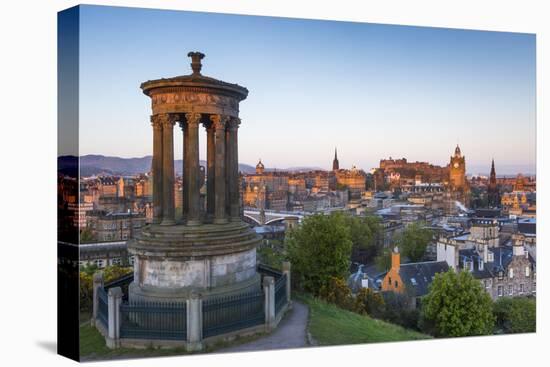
<point>233,123</point>
<point>165,119</point>
<point>193,119</point>
<point>156,122</point>
<point>219,121</point>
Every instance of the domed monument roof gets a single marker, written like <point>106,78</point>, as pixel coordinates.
<point>196,80</point>
<point>194,93</point>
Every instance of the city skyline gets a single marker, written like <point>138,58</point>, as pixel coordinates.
<point>373,91</point>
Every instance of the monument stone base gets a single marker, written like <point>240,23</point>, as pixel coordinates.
<point>212,259</point>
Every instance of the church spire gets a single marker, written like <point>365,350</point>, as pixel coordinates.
<point>335,163</point>
<point>493,194</point>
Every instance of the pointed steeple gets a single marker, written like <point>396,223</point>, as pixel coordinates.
<point>458,153</point>
<point>335,163</point>
<point>493,176</point>
<point>493,194</point>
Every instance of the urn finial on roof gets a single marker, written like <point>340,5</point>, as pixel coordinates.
<point>196,58</point>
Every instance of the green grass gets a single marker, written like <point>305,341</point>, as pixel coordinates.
<point>92,347</point>
<point>330,325</point>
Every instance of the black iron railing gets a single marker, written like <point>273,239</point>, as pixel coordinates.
<point>152,320</point>
<point>226,314</point>
<point>123,282</point>
<point>265,270</point>
<point>280,294</point>
<point>102,307</point>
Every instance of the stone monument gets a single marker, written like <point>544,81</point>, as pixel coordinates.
<point>211,250</point>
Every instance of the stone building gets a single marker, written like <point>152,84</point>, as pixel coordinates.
<point>508,272</point>
<point>458,184</point>
<point>266,189</point>
<point>102,254</point>
<point>504,269</point>
<point>412,279</point>
<point>395,169</point>
<point>355,181</point>
<point>108,226</point>
<point>143,186</point>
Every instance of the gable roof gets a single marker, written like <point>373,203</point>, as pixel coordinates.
<point>417,277</point>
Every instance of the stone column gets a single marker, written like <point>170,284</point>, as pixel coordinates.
<point>219,122</point>
<point>286,271</point>
<point>114,300</point>
<point>157,169</point>
<point>211,170</point>
<point>193,173</point>
<point>184,207</point>
<point>269,303</point>
<point>97,283</point>
<point>168,207</point>
<point>233,169</point>
<point>194,322</point>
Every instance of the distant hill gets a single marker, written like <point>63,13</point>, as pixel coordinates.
<point>94,164</point>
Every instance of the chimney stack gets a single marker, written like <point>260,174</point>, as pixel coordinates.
<point>395,259</point>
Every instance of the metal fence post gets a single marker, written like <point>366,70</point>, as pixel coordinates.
<point>286,271</point>
<point>269,294</point>
<point>194,322</point>
<point>97,283</point>
<point>114,299</point>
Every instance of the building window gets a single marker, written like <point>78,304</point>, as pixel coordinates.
<point>499,290</point>
<point>527,271</point>
<point>521,288</point>
<point>511,273</point>
<point>510,289</point>
<point>396,284</point>
<point>389,280</point>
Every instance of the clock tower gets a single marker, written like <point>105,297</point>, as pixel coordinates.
<point>457,171</point>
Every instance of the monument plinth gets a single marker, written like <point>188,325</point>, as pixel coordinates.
<point>211,250</point>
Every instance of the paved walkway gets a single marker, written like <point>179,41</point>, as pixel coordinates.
<point>291,333</point>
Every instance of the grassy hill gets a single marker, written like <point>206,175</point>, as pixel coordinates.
<point>330,325</point>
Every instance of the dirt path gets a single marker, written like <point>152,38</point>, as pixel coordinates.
<point>291,333</point>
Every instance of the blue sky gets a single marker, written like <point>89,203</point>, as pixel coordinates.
<point>372,90</point>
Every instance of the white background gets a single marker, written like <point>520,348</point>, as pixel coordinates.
<point>28,181</point>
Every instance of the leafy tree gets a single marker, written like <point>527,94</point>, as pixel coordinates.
<point>364,233</point>
<point>371,302</point>
<point>336,291</point>
<point>516,315</point>
<point>320,248</point>
<point>383,260</point>
<point>270,256</point>
<point>457,305</point>
<point>86,235</point>
<point>398,309</point>
<point>413,241</point>
<point>86,281</point>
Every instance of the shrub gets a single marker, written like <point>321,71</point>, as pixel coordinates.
<point>457,305</point>
<point>516,315</point>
